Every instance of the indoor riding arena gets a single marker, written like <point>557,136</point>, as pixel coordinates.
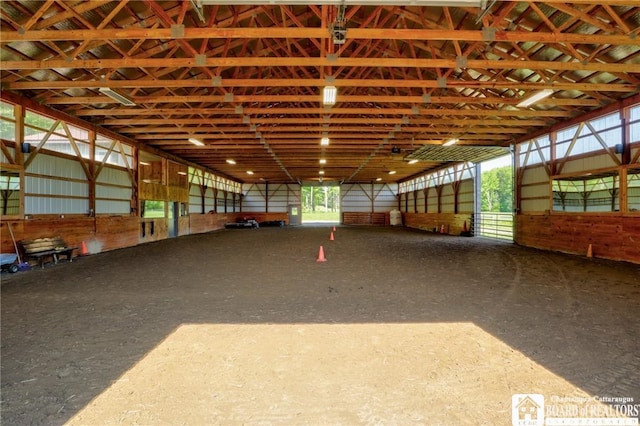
<point>345,212</point>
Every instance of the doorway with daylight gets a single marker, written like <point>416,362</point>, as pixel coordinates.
<point>321,204</point>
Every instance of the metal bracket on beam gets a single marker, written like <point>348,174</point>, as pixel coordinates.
<point>201,60</point>
<point>177,31</point>
<point>442,82</point>
<point>415,110</point>
<point>228,97</point>
<point>488,34</point>
<point>332,57</point>
<point>426,98</point>
<point>461,61</point>
<point>239,109</point>
<point>216,81</point>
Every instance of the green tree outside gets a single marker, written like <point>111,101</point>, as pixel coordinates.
<point>497,189</point>
<point>320,203</point>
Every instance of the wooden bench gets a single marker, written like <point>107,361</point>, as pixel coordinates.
<point>42,248</point>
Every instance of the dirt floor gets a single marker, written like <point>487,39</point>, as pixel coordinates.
<point>246,327</point>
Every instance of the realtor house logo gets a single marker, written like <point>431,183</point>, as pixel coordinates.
<point>527,410</point>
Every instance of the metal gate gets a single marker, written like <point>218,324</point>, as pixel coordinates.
<point>494,225</point>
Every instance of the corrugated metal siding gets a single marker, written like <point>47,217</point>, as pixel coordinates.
<point>534,190</point>
<point>113,206</point>
<point>357,197</point>
<point>114,176</point>
<point>47,205</point>
<point>466,196</point>
<point>49,165</point>
<point>54,187</point>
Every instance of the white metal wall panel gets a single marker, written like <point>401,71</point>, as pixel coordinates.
<point>535,175</point>
<point>49,165</point>
<point>579,165</point>
<point>446,199</point>
<point>385,197</point>
<point>281,195</point>
<point>354,198</point>
<point>420,203</point>
<point>114,176</point>
<point>465,196</point>
<point>633,199</point>
<point>48,205</point>
<point>534,191</point>
<point>208,200</point>
<point>115,192</point>
<point>432,201</point>
<point>254,198</point>
<point>113,206</point>
<point>44,186</point>
<point>357,197</point>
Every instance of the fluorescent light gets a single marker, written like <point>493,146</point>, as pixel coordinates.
<point>323,161</point>
<point>124,100</point>
<point>144,163</point>
<point>414,161</point>
<point>329,95</point>
<point>230,161</point>
<point>536,97</point>
<point>324,141</point>
<point>378,179</point>
<point>249,172</point>
<point>392,172</point>
<point>196,141</point>
<point>321,172</point>
<point>182,173</point>
<point>450,142</point>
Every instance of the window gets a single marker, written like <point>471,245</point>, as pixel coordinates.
<point>587,193</point>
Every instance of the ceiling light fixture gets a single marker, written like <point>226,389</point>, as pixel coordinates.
<point>321,172</point>
<point>324,141</point>
<point>329,95</point>
<point>323,161</point>
<point>536,97</point>
<point>378,179</point>
<point>230,161</point>
<point>196,141</point>
<point>249,172</point>
<point>392,172</point>
<point>450,142</point>
<point>414,161</point>
<point>124,100</point>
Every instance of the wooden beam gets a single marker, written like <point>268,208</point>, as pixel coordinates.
<point>308,82</point>
<point>314,33</point>
<point>317,62</point>
<point>343,99</point>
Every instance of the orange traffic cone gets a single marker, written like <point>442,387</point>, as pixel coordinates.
<point>83,249</point>
<point>334,229</point>
<point>464,226</point>
<point>590,251</point>
<point>331,237</point>
<point>321,255</point>
<point>442,229</point>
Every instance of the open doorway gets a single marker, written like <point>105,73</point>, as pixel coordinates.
<point>321,204</point>
<point>494,217</point>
